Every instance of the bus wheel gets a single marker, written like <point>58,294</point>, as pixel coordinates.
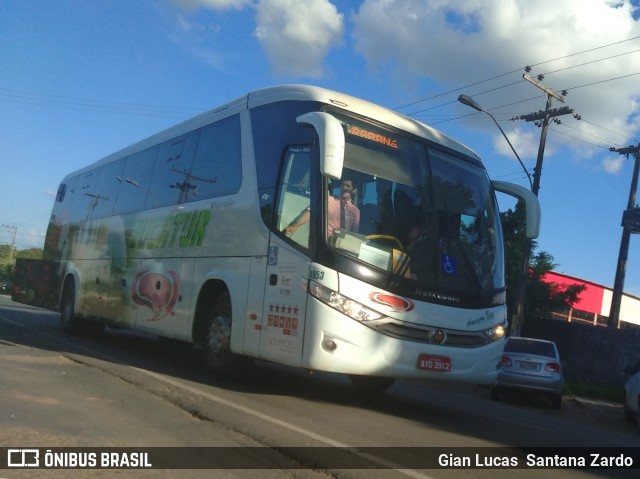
<point>68,320</point>
<point>216,339</point>
<point>372,384</point>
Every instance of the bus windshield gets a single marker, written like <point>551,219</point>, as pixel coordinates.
<point>426,217</point>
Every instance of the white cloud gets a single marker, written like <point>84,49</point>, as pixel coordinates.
<point>613,165</point>
<point>458,42</point>
<point>522,141</point>
<point>201,35</point>
<point>297,35</point>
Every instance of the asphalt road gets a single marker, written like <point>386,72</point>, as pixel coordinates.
<point>124,389</point>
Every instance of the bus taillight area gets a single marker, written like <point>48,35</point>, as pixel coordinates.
<point>36,282</point>
<point>386,347</point>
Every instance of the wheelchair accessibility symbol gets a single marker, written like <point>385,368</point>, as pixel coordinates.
<point>273,256</point>
<point>448,264</point>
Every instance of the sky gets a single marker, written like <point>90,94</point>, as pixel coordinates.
<point>80,79</point>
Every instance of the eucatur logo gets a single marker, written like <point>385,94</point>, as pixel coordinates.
<point>399,305</point>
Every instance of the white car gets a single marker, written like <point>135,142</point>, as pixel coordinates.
<point>632,395</point>
<point>532,366</point>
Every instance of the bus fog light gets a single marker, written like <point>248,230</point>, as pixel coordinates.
<point>329,345</point>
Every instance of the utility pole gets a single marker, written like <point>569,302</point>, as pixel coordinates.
<point>540,118</point>
<point>630,224</point>
<point>13,241</point>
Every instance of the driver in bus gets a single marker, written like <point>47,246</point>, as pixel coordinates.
<point>342,212</point>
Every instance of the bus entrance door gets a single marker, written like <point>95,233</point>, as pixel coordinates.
<point>285,303</point>
<point>285,297</point>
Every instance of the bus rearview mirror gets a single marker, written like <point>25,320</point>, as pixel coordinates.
<point>332,141</point>
<point>532,205</point>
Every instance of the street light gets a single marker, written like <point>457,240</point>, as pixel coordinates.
<point>518,316</point>
<point>467,100</point>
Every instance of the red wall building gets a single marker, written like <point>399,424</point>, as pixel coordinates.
<point>594,303</point>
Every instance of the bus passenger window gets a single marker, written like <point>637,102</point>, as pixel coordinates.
<point>106,191</point>
<point>172,183</point>
<point>135,181</point>
<point>85,197</point>
<point>217,167</point>
<point>62,191</point>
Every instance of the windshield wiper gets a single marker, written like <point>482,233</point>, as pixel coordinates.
<point>469,265</point>
<point>402,268</point>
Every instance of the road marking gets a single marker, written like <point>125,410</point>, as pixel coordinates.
<point>252,412</point>
<point>284,424</point>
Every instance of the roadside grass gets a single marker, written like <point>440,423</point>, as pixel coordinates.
<point>604,393</point>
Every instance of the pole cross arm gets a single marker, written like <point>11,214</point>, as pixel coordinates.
<point>545,89</point>
<point>541,115</point>
<point>631,220</point>
<point>626,151</point>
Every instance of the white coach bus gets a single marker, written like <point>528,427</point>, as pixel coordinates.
<point>222,232</point>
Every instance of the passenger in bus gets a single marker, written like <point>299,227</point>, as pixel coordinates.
<point>341,210</point>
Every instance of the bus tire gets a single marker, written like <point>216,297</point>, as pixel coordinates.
<point>69,321</point>
<point>215,341</point>
<point>371,384</point>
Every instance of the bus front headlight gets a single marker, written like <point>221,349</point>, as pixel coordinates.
<point>345,305</point>
<point>497,332</point>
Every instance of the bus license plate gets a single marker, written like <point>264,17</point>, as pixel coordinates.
<point>430,362</point>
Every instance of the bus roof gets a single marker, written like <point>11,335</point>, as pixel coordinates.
<point>294,93</point>
<point>359,106</point>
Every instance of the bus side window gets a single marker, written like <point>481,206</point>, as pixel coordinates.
<point>107,186</point>
<point>217,168</point>
<point>135,181</point>
<point>172,183</point>
<point>84,197</point>
<point>62,191</point>
<point>295,193</point>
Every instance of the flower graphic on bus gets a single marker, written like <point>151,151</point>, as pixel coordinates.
<point>157,290</point>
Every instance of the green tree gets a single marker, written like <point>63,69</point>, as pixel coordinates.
<point>7,268</point>
<point>5,251</point>
<point>31,253</point>
<point>542,298</point>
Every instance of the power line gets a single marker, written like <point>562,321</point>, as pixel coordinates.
<point>456,101</point>
<point>457,90</point>
<point>604,128</point>
<point>587,51</point>
<point>525,100</point>
<point>90,104</point>
<point>591,62</point>
<point>516,71</point>
<point>490,109</point>
<point>536,97</point>
<point>565,133</point>
<point>602,81</point>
